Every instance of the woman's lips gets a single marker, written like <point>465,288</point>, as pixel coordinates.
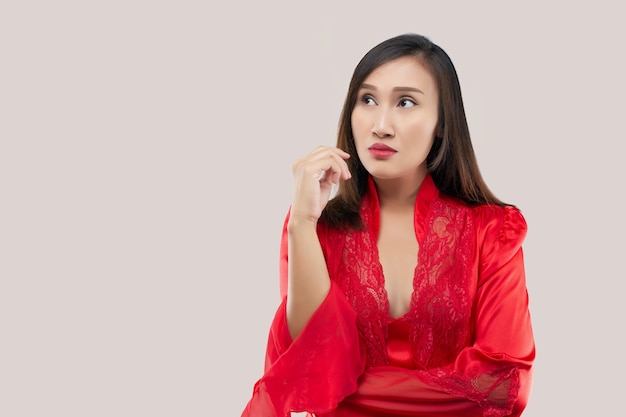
<point>381,151</point>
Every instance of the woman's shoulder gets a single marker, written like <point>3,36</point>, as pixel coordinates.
<point>493,221</point>
<point>500,229</point>
<point>508,220</point>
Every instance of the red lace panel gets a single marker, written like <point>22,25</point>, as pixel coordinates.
<point>441,303</point>
<point>440,307</point>
<point>360,276</point>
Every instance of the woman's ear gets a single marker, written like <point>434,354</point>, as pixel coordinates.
<point>439,130</point>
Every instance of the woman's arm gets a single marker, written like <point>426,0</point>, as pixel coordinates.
<point>314,355</point>
<point>309,282</point>
<point>316,369</point>
<point>308,277</point>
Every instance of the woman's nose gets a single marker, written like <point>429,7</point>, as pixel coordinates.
<point>382,126</point>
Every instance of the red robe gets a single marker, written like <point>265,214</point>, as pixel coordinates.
<point>465,348</point>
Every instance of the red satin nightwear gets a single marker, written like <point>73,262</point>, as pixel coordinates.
<point>465,348</point>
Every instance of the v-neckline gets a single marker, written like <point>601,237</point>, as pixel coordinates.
<point>376,233</point>
<point>426,193</point>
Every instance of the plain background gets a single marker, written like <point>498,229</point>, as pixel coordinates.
<point>145,172</point>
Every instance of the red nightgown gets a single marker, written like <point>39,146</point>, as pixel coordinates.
<point>465,348</point>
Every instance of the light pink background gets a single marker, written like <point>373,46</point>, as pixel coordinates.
<point>145,162</point>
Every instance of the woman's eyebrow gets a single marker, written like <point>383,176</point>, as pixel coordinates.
<point>371,87</point>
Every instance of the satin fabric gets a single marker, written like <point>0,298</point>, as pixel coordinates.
<point>398,346</point>
<point>335,366</point>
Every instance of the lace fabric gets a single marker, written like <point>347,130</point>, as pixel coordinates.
<point>441,304</point>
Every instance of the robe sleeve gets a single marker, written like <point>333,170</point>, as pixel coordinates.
<point>317,369</point>
<point>495,371</point>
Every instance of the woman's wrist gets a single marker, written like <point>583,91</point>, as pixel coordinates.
<point>299,224</point>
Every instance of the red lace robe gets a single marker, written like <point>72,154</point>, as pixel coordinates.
<point>465,348</point>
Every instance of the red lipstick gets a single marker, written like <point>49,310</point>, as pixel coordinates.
<point>381,151</point>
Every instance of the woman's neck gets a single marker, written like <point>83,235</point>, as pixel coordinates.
<point>398,192</point>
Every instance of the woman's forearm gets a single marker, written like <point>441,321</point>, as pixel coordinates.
<point>309,281</point>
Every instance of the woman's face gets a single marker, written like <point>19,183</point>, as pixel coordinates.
<point>394,119</point>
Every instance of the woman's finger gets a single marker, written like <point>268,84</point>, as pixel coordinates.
<point>336,155</point>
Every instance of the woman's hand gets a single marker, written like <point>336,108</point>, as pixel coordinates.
<point>314,176</point>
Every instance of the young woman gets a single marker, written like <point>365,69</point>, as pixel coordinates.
<point>405,293</point>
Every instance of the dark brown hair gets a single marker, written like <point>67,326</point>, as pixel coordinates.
<point>451,161</point>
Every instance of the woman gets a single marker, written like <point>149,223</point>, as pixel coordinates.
<point>404,294</point>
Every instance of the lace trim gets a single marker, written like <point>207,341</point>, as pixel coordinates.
<point>495,390</point>
<point>362,282</point>
<point>440,305</point>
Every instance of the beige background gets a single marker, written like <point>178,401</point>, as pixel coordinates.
<point>145,157</point>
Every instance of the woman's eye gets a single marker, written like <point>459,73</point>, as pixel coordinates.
<point>368,100</point>
<point>405,102</point>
